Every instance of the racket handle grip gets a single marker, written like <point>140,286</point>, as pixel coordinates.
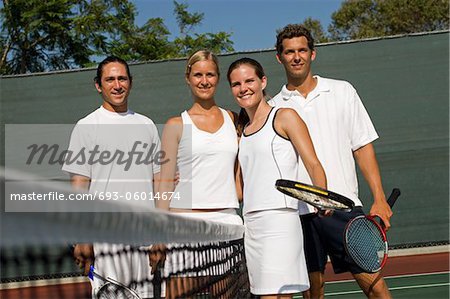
<point>393,197</point>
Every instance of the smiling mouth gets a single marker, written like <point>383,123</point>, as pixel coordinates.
<point>245,96</point>
<point>118,93</point>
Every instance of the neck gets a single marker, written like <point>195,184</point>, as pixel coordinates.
<point>118,109</point>
<point>203,105</point>
<point>258,112</point>
<point>303,85</point>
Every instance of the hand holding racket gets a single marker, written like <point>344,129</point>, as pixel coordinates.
<point>112,289</point>
<point>317,197</point>
<point>365,240</point>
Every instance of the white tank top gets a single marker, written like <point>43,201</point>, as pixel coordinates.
<point>206,165</point>
<point>265,157</point>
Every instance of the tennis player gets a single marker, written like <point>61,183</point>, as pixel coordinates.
<point>201,144</point>
<point>342,132</point>
<point>268,151</point>
<point>107,131</point>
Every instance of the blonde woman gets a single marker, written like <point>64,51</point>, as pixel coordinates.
<point>201,144</point>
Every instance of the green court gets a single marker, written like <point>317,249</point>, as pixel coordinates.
<point>435,285</point>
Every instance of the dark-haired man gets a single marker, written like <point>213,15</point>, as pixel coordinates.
<point>342,132</point>
<point>115,134</point>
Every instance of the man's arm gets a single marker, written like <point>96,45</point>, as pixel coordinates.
<point>367,162</point>
<point>80,182</point>
<point>82,253</point>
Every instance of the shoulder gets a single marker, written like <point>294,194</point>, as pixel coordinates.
<point>342,91</point>
<point>286,113</point>
<point>176,120</point>
<point>337,84</point>
<point>287,118</point>
<point>233,115</point>
<point>91,118</point>
<point>140,118</point>
<point>173,129</point>
<point>276,99</point>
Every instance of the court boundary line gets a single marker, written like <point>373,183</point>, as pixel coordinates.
<point>391,289</point>
<point>419,250</point>
<point>359,291</point>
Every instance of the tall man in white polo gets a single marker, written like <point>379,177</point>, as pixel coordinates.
<point>342,133</point>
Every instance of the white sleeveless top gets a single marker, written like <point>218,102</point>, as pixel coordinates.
<point>265,157</point>
<point>206,165</point>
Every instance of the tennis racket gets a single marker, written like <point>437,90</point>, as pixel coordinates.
<point>319,198</point>
<point>366,242</point>
<point>112,289</point>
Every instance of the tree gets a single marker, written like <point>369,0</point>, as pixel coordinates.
<point>358,19</point>
<point>47,35</point>
<point>149,42</point>
<point>316,29</point>
<point>58,34</point>
<point>186,43</point>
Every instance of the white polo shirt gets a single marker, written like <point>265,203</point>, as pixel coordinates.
<point>338,124</point>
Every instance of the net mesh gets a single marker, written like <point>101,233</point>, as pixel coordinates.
<point>365,244</point>
<point>197,258</point>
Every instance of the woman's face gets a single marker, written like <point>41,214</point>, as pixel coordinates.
<point>246,87</point>
<point>203,79</point>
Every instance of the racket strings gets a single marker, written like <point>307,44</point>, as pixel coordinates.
<point>315,200</point>
<point>112,291</point>
<point>365,244</point>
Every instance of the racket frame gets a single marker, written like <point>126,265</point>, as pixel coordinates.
<point>111,281</point>
<point>326,195</point>
<point>380,227</point>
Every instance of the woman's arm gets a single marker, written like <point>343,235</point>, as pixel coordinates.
<point>169,145</point>
<point>289,125</point>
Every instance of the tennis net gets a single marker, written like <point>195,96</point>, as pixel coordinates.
<point>196,258</point>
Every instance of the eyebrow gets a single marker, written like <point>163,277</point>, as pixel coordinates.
<point>118,77</point>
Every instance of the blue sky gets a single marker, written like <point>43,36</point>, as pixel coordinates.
<point>253,23</point>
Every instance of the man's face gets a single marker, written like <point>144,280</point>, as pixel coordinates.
<point>115,87</point>
<point>296,57</point>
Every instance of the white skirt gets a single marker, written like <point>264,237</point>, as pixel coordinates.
<point>227,216</point>
<point>274,252</point>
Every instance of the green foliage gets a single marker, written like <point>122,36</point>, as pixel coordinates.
<point>358,19</point>
<point>149,42</point>
<point>47,35</point>
<point>186,21</point>
<point>316,29</point>
<point>186,43</point>
<point>59,34</point>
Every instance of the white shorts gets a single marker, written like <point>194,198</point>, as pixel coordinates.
<point>129,265</point>
<point>185,260</point>
<point>274,252</point>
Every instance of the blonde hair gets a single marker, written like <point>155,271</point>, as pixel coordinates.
<point>201,55</point>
